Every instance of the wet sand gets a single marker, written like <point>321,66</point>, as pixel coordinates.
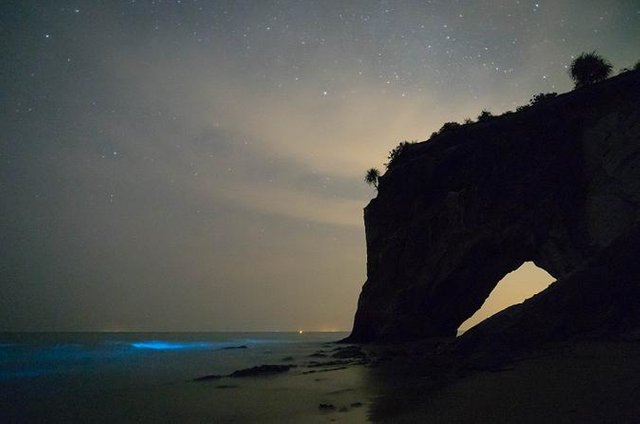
<point>586,382</point>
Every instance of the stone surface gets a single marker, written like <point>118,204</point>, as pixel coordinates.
<point>209,377</point>
<point>257,371</point>
<point>235,347</point>
<point>555,184</point>
<point>261,370</point>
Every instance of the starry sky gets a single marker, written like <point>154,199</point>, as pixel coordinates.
<point>198,165</point>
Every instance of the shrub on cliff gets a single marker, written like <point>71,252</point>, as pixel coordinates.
<point>397,152</point>
<point>449,126</point>
<point>589,68</point>
<point>537,99</point>
<point>542,97</point>
<point>485,116</point>
<point>372,176</point>
<point>636,67</point>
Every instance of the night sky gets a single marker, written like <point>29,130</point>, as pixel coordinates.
<point>194,165</point>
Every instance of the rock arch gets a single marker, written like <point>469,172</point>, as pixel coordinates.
<point>512,289</point>
<point>555,184</point>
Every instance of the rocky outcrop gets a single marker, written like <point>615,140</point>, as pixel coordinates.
<point>555,184</point>
<point>257,371</point>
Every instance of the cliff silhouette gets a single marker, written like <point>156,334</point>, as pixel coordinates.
<point>556,183</point>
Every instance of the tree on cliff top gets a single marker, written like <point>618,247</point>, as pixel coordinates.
<point>371,177</point>
<point>589,68</point>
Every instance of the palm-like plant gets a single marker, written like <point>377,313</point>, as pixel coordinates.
<point>589,68</point>
<point>371,177</point>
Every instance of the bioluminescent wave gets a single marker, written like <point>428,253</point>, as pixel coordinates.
<point>164,345</point>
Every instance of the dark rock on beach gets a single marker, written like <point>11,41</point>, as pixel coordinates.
<point>315,364</point>
<point>325,370</point>
<point>261,370</point>
<point>209,377</point>
<point>235,347</point>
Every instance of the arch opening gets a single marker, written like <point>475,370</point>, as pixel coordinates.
<point>513,288</point>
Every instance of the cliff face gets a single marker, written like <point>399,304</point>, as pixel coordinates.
<point>555,184</point>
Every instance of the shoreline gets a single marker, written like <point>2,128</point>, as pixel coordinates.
<point>586,381</point>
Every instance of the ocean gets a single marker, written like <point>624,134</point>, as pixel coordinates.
<point>148,377</point>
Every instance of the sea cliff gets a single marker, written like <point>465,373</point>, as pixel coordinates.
<point>557,183</point>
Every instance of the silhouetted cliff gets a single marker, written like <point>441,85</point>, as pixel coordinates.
<point>555,184</point>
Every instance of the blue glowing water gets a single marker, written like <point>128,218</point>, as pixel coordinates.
<point>162,345</point>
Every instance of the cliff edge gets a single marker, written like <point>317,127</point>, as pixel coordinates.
<point>556,184</point>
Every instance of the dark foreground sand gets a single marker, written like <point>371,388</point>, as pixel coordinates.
<point>586,382</point>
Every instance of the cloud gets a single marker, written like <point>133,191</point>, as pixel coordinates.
<point>296,204</point>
